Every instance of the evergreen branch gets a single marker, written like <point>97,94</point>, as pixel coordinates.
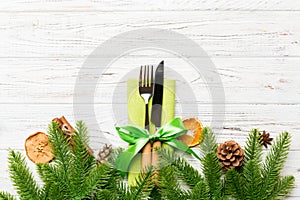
<point>169,186</point>
<point>144,184</point>
<point>200,191</point>
<point>212,174</point>
<point>209,141</point>
<point>22,178</point>
<point>6,196</point>
<point>83,163</point>
<point>81,132</point>
<point>184,170</point>
<point>253,149</point>
<point>60,148</point>
<point>282,188</point>
<point>210,165</point>
<point>253,180</point>
<point>234,184</point>
<point>106,194</point>
<point>55,186</point>
<point>274,162</point>
<point>97,178</point>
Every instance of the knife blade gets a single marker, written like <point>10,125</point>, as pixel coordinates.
<point>158,95</point>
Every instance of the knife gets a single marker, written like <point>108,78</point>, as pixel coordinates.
<point>158,95</point>
<point>156,112</point>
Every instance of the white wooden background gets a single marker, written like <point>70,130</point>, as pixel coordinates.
<point>255,46</point>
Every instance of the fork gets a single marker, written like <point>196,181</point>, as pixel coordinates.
<point>146,88</point>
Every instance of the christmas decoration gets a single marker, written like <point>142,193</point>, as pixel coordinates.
<point>38,149</point>
<point>68,130</point>
<point>193,135</point>
<point>104,154</point>
<point>74,173</point>
<point>230,154</point>
<point>138,138</point>
<point>65,126</point>
<point>265,139</point>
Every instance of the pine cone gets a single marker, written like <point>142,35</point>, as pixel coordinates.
<point>104,154</point>
<point>265,139</point>
<point>230,154</point>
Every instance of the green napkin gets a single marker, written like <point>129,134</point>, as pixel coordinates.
<point>136,116</point>
<point>136,105</point>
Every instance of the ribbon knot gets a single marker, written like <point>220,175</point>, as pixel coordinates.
<point>138,137</point>
<point>153,137</point>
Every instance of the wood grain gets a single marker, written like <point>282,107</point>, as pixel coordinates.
<point>145,5</point>
<point>239,120</point>
<point>76,34</point>
<point>245,80</point>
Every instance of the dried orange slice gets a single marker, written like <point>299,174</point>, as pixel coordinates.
<point>38,148</point>
<point>194,134</point>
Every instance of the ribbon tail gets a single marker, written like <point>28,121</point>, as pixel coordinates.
<point>181,146</point>
<point>124,160</point>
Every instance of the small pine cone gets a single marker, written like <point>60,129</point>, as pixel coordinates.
<point>230,154</point>
<point>104,154</point>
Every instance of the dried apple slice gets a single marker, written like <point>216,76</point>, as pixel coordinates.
<point>38,149</point>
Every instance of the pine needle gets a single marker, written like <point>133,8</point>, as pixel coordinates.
<point>6,196</point>
<point>274,162</point>
<point>22,178</point>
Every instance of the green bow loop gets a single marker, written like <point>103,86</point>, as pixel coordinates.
<point>138,137</point>
<point>171,130</point>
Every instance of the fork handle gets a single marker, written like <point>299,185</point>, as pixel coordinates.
<point>147,117</point>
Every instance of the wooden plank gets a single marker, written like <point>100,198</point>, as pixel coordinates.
<point>77,34</point>
<point>144,5</point>
<point>291,168</point>
<point>23,120</point>
<point>245,80</point>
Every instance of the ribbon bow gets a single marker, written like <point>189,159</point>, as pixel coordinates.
<point>138,137</point>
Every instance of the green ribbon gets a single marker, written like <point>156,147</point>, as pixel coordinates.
<point>138,137</point>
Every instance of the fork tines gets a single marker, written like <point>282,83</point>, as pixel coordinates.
<point>146,79</point>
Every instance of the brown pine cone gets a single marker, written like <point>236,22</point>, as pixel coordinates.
<point>230,154</point>
<point>104,154</point>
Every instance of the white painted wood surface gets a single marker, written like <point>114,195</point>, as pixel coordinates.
<point>253,44</point>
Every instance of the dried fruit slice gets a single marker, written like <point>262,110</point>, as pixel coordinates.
<point>194,134</point>
<point>38,148</point>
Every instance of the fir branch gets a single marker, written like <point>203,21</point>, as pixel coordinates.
<point>253,148</point>
<point>106,194</point>
<point>55,186</point>
<point>184,170</point>
<point>144,184</point>
<point>97,177</point>
<point>83,163</point>
<point>210,165</point>
<point>169,186</point>
<point>60,149</point>
<point>234,184</point>
<point>24,182</point>
<point>209,141</point>
<point>252,167</point>
<point>282,188</point>
<point>200,191</point>
<point>6,196</point>
<point>274,162</point>
<point>253,180</point>
<point>212,174</point>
